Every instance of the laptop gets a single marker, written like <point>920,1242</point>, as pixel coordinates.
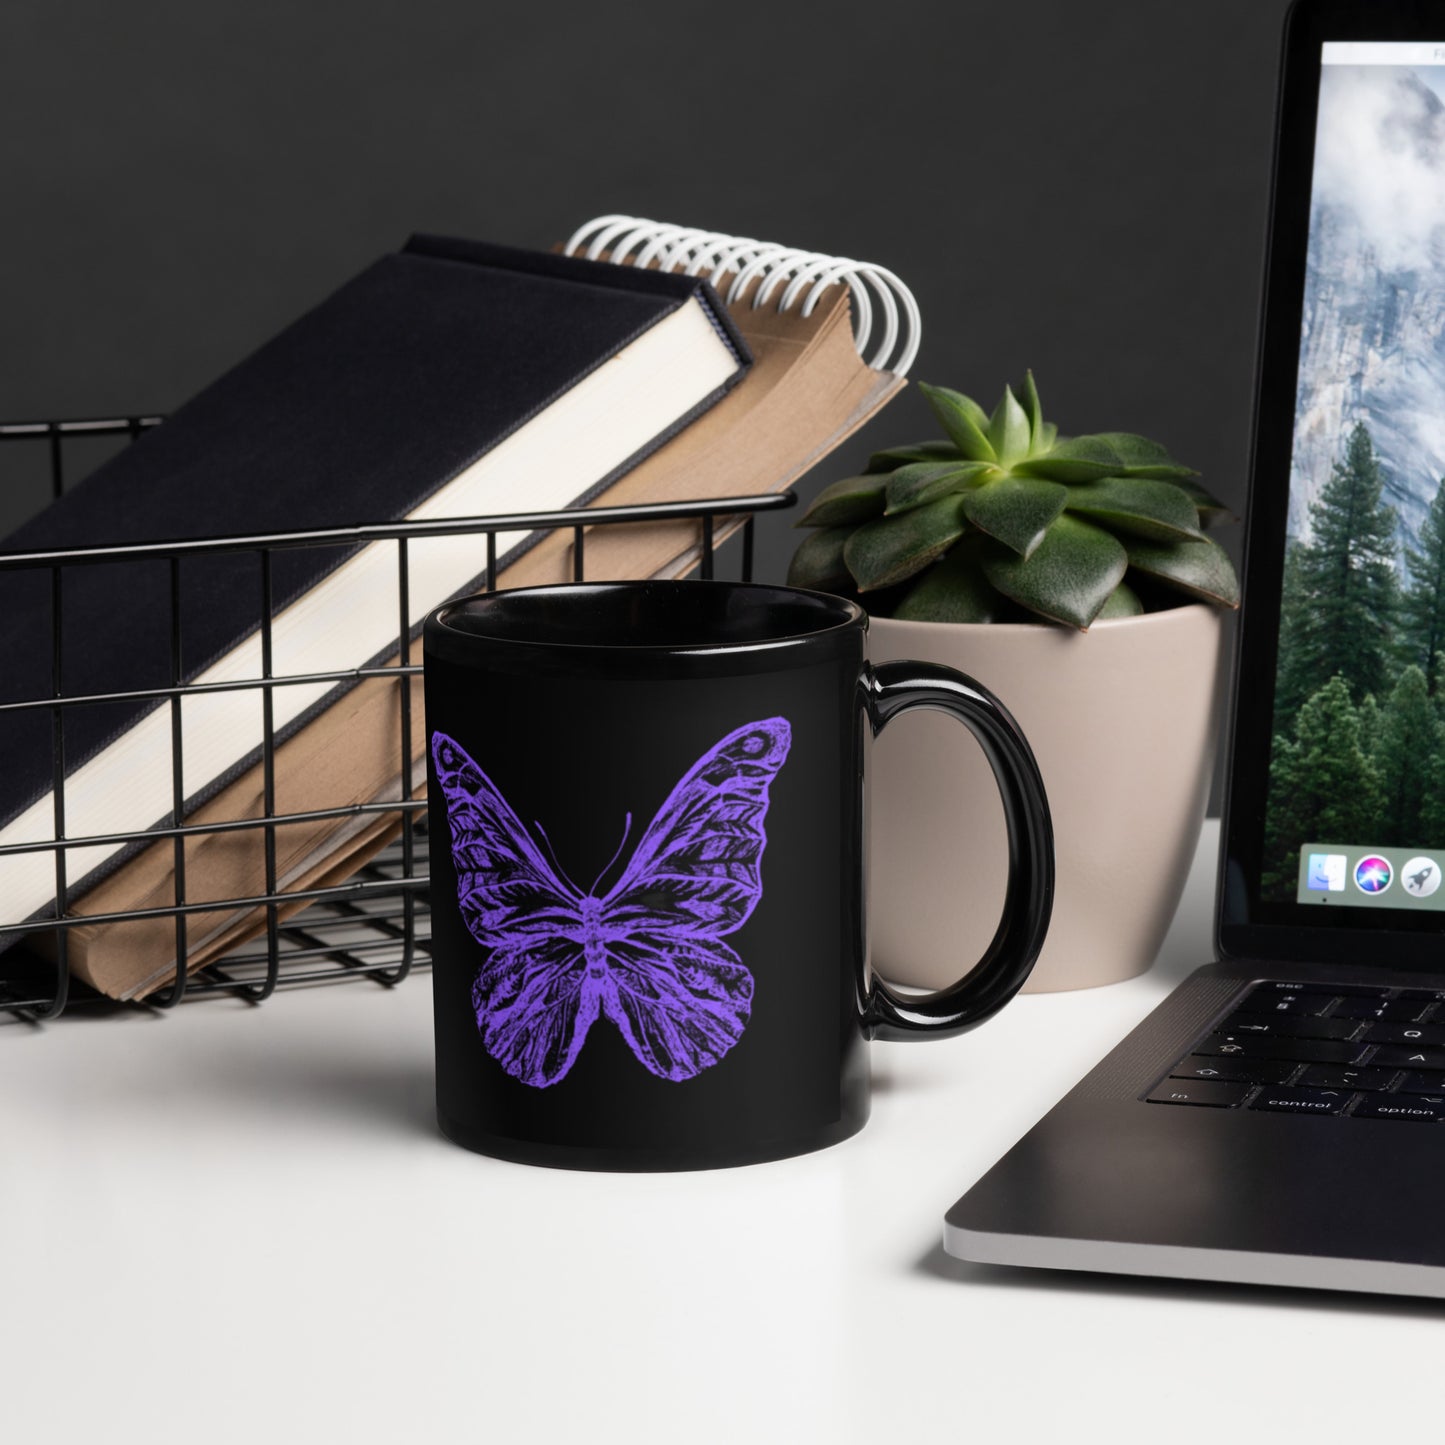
<point>1280,1118</point>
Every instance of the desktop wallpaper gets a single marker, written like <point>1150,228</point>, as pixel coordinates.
<point>1358,754</point>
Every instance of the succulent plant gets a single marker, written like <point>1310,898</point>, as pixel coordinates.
<point>1005,520</point>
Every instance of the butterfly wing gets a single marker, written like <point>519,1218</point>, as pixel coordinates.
<point>505,887</point>
<point>680,1004</point>
<point>533,997</point>
<point>535,1002</point>
<point>697,871</point>
<point>678,994</point>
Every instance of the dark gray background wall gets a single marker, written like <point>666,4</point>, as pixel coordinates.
<point>1072,185</point>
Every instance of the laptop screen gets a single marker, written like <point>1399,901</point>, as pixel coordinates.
<point>1354,813</point>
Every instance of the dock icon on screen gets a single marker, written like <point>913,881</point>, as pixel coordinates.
<point>1327,872</point>
<point>1421,877</point>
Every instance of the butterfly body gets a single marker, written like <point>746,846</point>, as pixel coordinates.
<point>593,937</point>
<point>649,952</point>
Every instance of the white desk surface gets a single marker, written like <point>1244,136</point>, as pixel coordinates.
<point>236,1224</point>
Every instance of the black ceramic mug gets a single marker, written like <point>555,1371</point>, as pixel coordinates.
<point>647,822</point>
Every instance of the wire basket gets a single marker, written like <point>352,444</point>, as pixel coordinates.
<point>376,924</point>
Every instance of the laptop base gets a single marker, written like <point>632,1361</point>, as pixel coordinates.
<point>1109,1182</point>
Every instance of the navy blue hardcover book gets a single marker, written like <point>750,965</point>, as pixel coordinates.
<point>451,378</point>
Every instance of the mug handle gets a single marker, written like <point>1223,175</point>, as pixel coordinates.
<point>897,687</point>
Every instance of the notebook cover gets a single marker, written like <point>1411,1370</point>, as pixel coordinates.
<point>356,412</point>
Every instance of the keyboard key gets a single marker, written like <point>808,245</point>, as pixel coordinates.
<point>1285,1027</point>
<point>1403,1056</point>
<point>1421,1034</point>
<point>1208,1093</point>
<point>1289,1004</point>
<point>1249,1071</point>
<point>1302,1101</point>
<point>1423,1084</point>
<point>1331,1076</point>
<point>1266,1046</point>
<point>1425,995</point>
<point>1400,1010</point>
<point>1325,990</point>
<point>1398,1106</point>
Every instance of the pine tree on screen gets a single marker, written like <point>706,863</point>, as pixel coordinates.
<point>1293,622</point>
<point>1422,609</point>
<point>1324,785</point>
<point>1342,595</point>
<point>1368,713</point>
<point>1432,820</point>
<point>1405,759</point>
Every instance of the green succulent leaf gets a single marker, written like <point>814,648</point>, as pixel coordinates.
<point>1143,458</point>
<point>953,590</point>
<point>1049,526</point>
<point>1009,432</point>
<point>893,549</point>
<point>1070,575</point>
<point>963,419</point>
<point>1016,511</point>
<point>1123,602</point>
<point>970,408</point>
<point>1211,510</point>
<point>1201,568</point>
<point>1140,506</point>
<point>1105,454</point>
<point>1035,409</point>
<point>922,482</point>
<point>818,563</point>
<point>854,499</point>
<point>891,457</point>
<point>1077,459</point>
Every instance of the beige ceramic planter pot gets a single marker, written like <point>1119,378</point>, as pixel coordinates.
<point>1122,721</point>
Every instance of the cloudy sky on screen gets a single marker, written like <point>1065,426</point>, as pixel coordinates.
<point>1380,152</point>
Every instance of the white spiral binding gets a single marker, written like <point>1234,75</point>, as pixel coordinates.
<point>807,274</point>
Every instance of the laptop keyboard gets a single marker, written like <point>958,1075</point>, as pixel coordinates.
<point>1300,1048</point>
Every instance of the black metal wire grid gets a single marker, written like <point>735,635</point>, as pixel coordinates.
<point>375,925</point>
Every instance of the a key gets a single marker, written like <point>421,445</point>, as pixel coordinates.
<point>1286,1027</point>
<point>1417,1083</point>
<point>1265,1046</point>
<point>1331,1076</point>
<point>1205,1092</point>
<point>1324,990</point>
<point>1284,1004</point>
<point>1400,1010</point>
<point>1401,1106</point>
<point>1427,1034</point>
<point>1404,1056</point>
<point>1249,1071</point>
<point>1302,1101</point>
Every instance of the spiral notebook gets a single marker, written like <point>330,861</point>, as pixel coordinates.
<point>831,340</point>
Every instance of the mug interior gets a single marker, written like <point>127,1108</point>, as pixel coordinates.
<point>668,614</point>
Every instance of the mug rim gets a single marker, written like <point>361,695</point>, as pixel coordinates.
<point>846,615</point>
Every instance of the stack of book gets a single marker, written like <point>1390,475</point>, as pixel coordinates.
<point>449,380</point>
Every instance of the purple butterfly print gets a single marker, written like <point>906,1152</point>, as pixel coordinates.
<point>650,953</point>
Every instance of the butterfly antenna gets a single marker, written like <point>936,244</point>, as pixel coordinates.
<point>556,861</point>
<point>626,829</point>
